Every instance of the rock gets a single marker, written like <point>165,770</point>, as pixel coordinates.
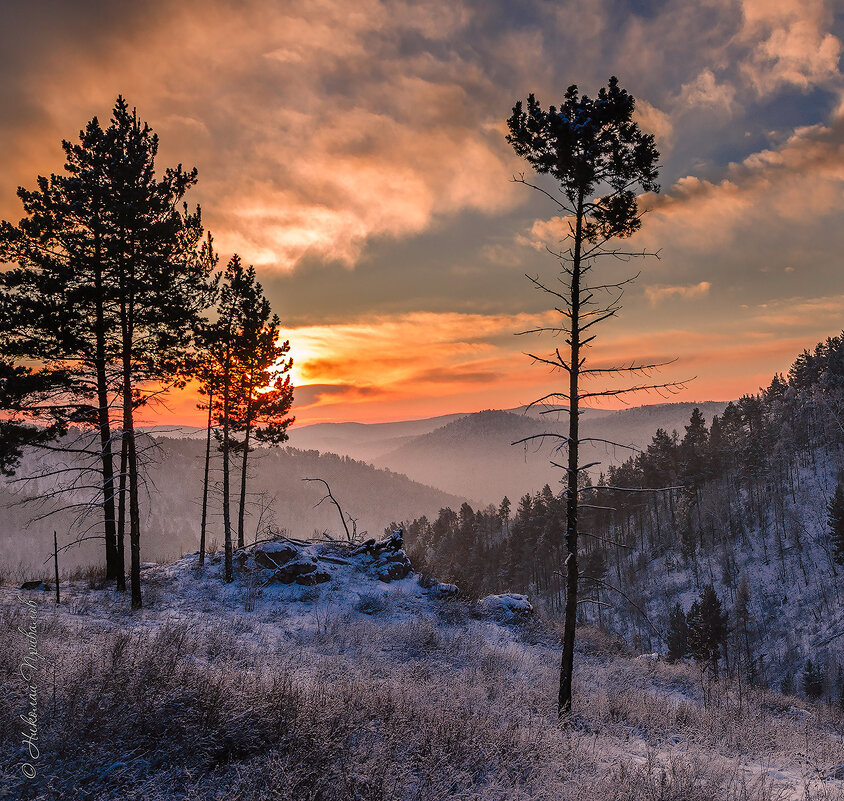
<point>394,543</point>
<point>310,579</point>
<point>444,591</point>
<point>392,566</point>
<point>388,562</point>
<point>273,555</point>
<point>508,606</point>
<point>35,585</point>
<point>292,571</point>
<point>365,547</point>
<point>393,570</point>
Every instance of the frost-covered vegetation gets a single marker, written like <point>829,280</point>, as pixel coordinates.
<point>356,688</point>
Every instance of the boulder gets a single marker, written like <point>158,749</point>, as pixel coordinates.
<point>508,606</point>
<point>273,555</point>
<point>315,577</point>
<point>393,570</point>
<point>292,571</point>
<point>444,591</point>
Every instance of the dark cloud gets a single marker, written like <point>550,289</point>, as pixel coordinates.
<point>311,394</point>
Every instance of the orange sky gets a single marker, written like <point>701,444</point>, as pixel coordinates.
<point>355,153</point>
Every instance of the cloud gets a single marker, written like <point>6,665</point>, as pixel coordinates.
<point>313,394</point>
<point>657,294</point>
<point>315,127</point>
<point>655,121</point>
<point>790,43</point>
<point>799,182</point>
<point>706,92</point>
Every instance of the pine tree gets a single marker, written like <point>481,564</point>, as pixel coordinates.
<point>247,382</point>
<point>693,448</point>
<point>707,628</point>
<point>587,146</point>
<point>678,634</point>
<point>835,520</point>
<point>262,394</point>
<point>111,276</point>
<point>743,617</point>
<point>219,340</point>
<point>812,681</point>
<point>161,267</point>
<point>58,301</point>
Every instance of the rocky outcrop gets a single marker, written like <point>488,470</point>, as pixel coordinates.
<point>288,561</point>
<point>303,570</point>
<point>386,558</point>
<point>272,555</point>
<point>507,608</point>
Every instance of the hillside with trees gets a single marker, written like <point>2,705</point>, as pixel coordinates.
<point>278,501</point>
<point>751,518</point>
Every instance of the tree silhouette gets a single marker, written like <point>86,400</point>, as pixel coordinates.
<point>262,394</point>
<point>246,377</point>
<point>835,520</point>
<point>111,277</point>
<point>586,146</point>
<point>812,681</point>
<point>678,634</point>
<point>707,628</point>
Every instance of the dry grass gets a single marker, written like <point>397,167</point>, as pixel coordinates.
<point>364,709</point>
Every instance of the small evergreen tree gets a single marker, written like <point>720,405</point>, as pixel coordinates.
<point>743,618</point>
<point>707,628</point>
<point>835,520</point>
<point>812,681</point>
<point>678,634</point>
<point>787,684</point>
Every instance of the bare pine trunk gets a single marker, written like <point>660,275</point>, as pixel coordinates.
<point>227,523</point>
<point>205,480</point>
<point>127,332</point>
<point>567,662</point>
<point>103,418</point>
<point>121,517</point>
<point>242,510</point>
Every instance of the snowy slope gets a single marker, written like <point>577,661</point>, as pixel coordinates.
<point>357,687</point>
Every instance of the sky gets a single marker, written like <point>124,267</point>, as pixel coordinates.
<point>355,153</point>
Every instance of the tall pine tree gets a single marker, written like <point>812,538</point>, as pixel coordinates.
<point>835,520</point>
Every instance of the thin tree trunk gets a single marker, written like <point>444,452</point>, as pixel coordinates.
<point>567,661</point>
<point>131,459</point>
<point>205,480</point>
<point>121,516</point>
<point>242,510</point>
<point>227,523</point>
<point>127,314</point>
<point>102,414</point>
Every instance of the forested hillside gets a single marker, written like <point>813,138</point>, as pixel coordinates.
<point>741,505</point>
<point>171,506</point>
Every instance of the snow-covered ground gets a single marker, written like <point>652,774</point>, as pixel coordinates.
<point>343,685</point>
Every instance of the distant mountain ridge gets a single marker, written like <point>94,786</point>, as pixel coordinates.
<point>472,454</point>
